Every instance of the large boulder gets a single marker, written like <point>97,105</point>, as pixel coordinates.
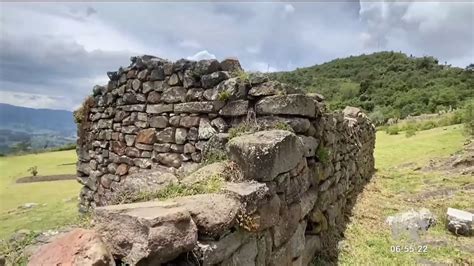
<point>214,214</point>
<point>292,104</point>
<point>147,233</point>
<point>350,111</point>
<point>411,221</point>
<point>77,247</point>
<point>264,155</point>
<point>211,80</point>
<point>235,108</point>
<point>272,88</point>
<point>231,65</point>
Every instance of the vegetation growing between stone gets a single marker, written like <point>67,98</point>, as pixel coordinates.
<point>214,156</point>
<point>211,185</point>
<point>248,127</point>
<point>14,250</point>
<point>323,154</point>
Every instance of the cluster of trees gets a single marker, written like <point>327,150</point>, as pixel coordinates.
<point>386,84</point>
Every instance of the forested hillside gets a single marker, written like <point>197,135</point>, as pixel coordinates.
<point>26,129</point>
<point>386,84</point>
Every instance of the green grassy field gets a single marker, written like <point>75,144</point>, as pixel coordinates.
<point>368,238</point>
<point>57,199</point>
<point>397,187</point>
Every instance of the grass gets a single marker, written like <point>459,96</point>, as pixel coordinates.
<point>395,189</point>
<point>393,150</point>
<point>211,185</point>
<point>57,199</point>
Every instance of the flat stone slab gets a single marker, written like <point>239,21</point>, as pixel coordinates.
<point>292,104</point>
<point>263,155</point>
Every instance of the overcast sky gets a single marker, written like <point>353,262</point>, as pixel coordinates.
<point>52,54</point>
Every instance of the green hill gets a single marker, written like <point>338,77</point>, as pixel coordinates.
<point>386,84</point>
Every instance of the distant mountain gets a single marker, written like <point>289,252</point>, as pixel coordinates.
<point>23,128</point>
<point>386,84</point>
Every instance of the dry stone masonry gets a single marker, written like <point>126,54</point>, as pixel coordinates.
<point>292,174</point>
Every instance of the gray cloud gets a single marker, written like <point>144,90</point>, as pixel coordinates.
<point>444,30</point>
<point>56,52</point>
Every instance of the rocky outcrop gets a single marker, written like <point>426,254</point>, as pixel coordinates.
<point>293,173</point>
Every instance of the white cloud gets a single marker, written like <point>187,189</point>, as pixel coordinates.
<point>422,28</point>
<point>204,54</point>
<point>59,21</point>
<point>31,100</point>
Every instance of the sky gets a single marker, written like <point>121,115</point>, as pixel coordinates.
<point>52,54</point>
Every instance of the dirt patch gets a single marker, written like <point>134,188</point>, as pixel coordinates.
<point>441,193</point>
<point>64,164</point>
<point>461,162</point>
<point>31,179</point>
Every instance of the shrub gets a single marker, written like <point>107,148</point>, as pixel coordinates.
<point>242,75</point>
<point>410,132</point>
<point>425,125</point>
<point>468,118</point>
<point>33,170</point>
<point>83,111</point>
<point>392,130</point>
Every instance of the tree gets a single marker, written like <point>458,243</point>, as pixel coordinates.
<point>470,67</point>
<point>468,118</point>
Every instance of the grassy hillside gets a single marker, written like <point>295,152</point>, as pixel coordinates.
<point>57,199</point>
<point>386,84</point>
<point>25,129</point>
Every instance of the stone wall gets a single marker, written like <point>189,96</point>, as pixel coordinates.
<point>294,189</point>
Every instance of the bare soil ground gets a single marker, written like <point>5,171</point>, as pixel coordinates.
<point>31,179</point>
<point>461,162</point>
